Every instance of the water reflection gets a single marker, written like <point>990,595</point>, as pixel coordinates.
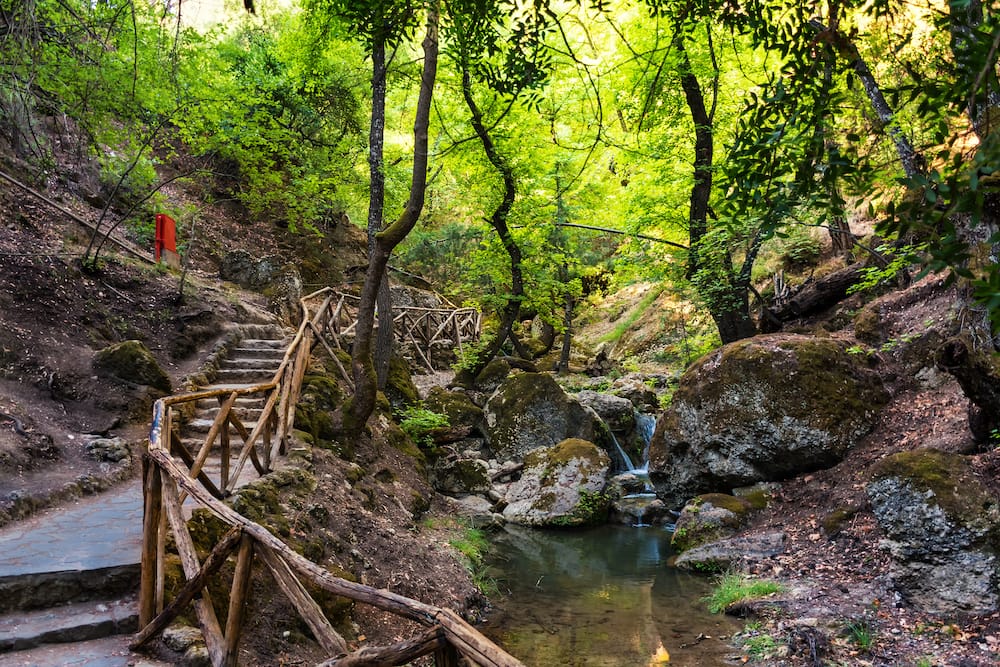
<point>602,597</point>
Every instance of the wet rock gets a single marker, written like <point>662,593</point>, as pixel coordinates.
<point>942,529</point>
<point>477,510</point>
<point>560,486</point>
<point>709,518</point>
<point>762,409</point>
<point>639,394</point>
<point>733,552</point>
<point>618,413</point>
<point>132,362</point>
<point>111,450</point>
<point>460,476</point>
<point>528,411</point>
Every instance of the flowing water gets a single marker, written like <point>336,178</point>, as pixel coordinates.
<point>603,597</point>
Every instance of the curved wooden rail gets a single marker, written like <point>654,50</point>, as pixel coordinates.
<point>420,327</point>
<point>171,473</point>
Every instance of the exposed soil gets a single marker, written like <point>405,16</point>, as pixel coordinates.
<point>832,566</point>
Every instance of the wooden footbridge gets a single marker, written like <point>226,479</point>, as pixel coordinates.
<point>421,329</point>
<point>173,474</point>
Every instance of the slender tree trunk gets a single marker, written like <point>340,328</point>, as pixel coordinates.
<point>362,364</point>
<point>376,206</point>
<point>498,220</point>
<point>912,161</point>
<point>730,310</point>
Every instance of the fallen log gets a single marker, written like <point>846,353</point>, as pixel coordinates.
<point>399,653</point>
<point>815,297</point>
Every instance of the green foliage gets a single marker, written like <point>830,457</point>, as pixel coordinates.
<point>861,633</point>
<point>419,424</point>
<point>757,644</point>
<point>733,587</point>
<point>473,547</point>
<point>899,260</point>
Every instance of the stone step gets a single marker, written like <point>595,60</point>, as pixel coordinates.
<point>76,622</point>
<point>263,343</point>
<point>86,549</point>
<point>244,414</point>
<point>249,376</point>
<point>242,403</point>
<point>107,652</point>
<point>265,366</point>
<point>257,352</point>
<point>203,426</point>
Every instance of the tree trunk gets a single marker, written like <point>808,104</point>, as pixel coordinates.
<point>979,378</point>
<point>498,220</point>
<point>362,364</point>
<point>819,295</point>
<point>376,206</point>
<point>912,161</point>
<point>730,310</point>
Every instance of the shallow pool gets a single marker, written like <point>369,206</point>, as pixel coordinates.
<point>601,597</point>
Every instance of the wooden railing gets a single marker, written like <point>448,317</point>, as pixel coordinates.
<point>172,473</point>
<point>421,327</point>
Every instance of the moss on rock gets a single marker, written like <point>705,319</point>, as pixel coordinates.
<point>131,361</point>
<point>708,518</point>
<point>458,407</point>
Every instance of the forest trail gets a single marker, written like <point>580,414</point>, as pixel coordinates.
<point>69,575</point>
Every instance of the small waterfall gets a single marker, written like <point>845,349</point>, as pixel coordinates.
<point>644,426</point>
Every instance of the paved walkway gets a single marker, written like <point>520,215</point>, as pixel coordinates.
<point>90,533</point>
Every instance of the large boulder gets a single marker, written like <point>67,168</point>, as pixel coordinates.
<point>460,476</point>
<point>709,518</point>
<point>132,362</point>
<point>762,409</point>
<point>617,412</point>
<point>246,270</point>
<point>942,530</point>
<point>561,486</point>
<point>530,410</point>
<point>462,413</point>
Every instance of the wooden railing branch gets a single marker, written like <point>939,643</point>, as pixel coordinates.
<point>399,653</point>
<point>215,560</point>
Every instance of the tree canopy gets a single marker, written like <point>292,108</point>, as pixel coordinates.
<point>699,134</point>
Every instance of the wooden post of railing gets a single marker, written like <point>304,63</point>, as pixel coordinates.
<point>238,600</point>
<point>151,510</point>
<point>224,452</point>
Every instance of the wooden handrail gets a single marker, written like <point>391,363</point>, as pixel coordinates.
<point>167,481</point>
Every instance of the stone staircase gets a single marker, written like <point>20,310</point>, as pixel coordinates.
<point>69,575</point>
<point>252,361</point>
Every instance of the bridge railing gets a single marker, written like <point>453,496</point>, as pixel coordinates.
<point>422,328</point>
<point>172,474</point>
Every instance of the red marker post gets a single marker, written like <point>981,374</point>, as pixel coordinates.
<point>166,240</point>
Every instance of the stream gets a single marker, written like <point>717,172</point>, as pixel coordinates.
<point>602,597</point>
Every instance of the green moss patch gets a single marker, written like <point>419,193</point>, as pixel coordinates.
<point>947,476</point>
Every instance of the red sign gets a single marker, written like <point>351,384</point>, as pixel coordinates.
<point>166,235</point>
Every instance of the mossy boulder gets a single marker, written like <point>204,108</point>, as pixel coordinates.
<point>462,413</point>
<point>530,410</point>
<point>942,530</point>
<point>132,362</point>
<point>399,387</point>
<point>460,476</point>
<point>561,486</point>
<point>321,394</point>
<point>491,377</point>
<point>709,518</point>
<point>762,409</point>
